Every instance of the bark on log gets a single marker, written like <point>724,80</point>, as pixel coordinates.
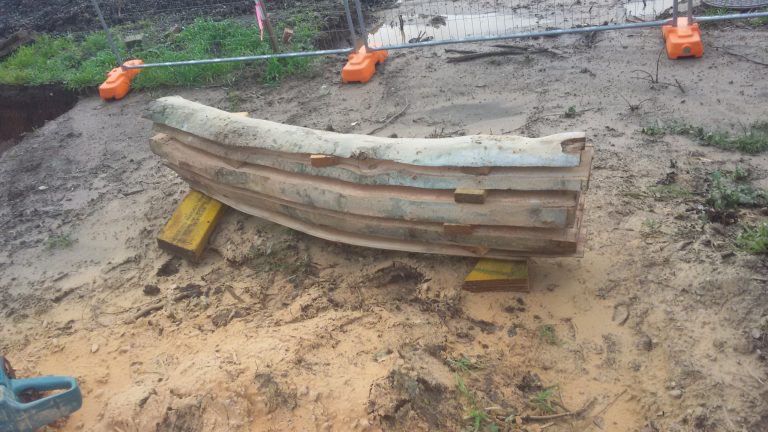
<point>561,150</point>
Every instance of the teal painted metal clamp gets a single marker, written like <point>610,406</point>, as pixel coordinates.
<point>17,415</point>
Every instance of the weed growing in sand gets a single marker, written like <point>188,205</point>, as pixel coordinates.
<point>727,192</point>
<point>480,421</point>
<point>543,400</point>
<point>547,333</point>
<point>464,364</point>
<point>752,139</point>
<point>82,61</point>
<point>59,241</point>
<point>651,227</point>
<point>754,239</point>
<point>570,112</point>
<point>669,192</point>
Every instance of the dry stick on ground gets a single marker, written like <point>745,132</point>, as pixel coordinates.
<point>459,51</point>
<point>195,292</point>
<point>552,51</point>
<point>741,56</point>
<point>655,79</point>
<point>578,413</point>
<point>507,51</point>
<point>391,119</point>
<point>605,408</point>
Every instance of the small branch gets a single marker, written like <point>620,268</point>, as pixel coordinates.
<point>658,60</point>
<point>610,404</point>
<point>189,291</point>
<point>146,311</point>
<point>391,119</point>
<point>742,56</point>
<point>577,413</point>
<point>506,50</point>
<point>459,51</point>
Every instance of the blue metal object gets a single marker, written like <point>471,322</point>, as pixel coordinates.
<point>19,416</point>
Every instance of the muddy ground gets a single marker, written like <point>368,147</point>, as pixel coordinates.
<point>661,324</point>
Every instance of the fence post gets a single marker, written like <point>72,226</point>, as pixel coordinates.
<point>361,22</point>
<point>111,41</point>
<point>268,25</point>
<point>351,24</point>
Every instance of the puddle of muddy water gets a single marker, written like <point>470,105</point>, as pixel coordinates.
<point>409,25</point>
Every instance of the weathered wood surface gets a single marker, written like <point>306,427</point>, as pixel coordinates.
<point>377,172</point>
<point>510,208</point>
<point>387,233</point>
<point>561,150</point>
<point>406,194</point>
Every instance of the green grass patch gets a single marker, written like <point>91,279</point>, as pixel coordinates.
<point>669,192</point>
<point>478,418</point>
<point>464,364</point>
<point>753,139</point>
<point>754,239</point>
<point>59,241</point>
<point>83,61</point>
<point>543,401</point>
<point>547,333</point>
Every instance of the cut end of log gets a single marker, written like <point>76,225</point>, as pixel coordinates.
<point>574,145</point>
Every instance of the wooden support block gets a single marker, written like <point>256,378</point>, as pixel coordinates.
<point>469,196</point>
<point>319,161</point>
<point>187,231</point>
<point>496,275</point>
<point>481,171</point>
<point>457,229</point>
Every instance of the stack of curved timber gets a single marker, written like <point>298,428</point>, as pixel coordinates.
<point>482,196</point>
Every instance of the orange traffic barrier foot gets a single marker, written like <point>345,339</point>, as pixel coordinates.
<point>361,65</point>
<point>683,39</point>
<point>118,82</point>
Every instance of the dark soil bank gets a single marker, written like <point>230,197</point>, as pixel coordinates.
<point>25,108</point>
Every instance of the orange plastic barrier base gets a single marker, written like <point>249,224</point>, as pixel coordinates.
<point>361,65</point>
<point>118,82</point>
<point>683,40</point>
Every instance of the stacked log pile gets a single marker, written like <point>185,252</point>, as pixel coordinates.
<point>483,196</point>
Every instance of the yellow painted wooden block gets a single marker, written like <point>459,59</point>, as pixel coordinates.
<point>187,231</point>
<point>496,275</point>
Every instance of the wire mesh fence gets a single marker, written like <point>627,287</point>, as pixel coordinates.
<point>412,23</point>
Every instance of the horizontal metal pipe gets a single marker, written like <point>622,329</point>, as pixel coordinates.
<point>241,59</point>
<point>730,17</point>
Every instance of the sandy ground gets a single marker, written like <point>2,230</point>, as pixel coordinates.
<point>663,329</point>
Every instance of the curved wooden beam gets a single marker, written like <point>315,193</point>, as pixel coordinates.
<point>560,150</point>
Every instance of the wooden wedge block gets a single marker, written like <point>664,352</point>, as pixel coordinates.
<point>320,161</point>
<point>496,275</point>
<point>457,229</point>
<point>470,196</point>
<point>187,231</point>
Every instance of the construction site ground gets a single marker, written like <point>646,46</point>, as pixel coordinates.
<point>662,325</point>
